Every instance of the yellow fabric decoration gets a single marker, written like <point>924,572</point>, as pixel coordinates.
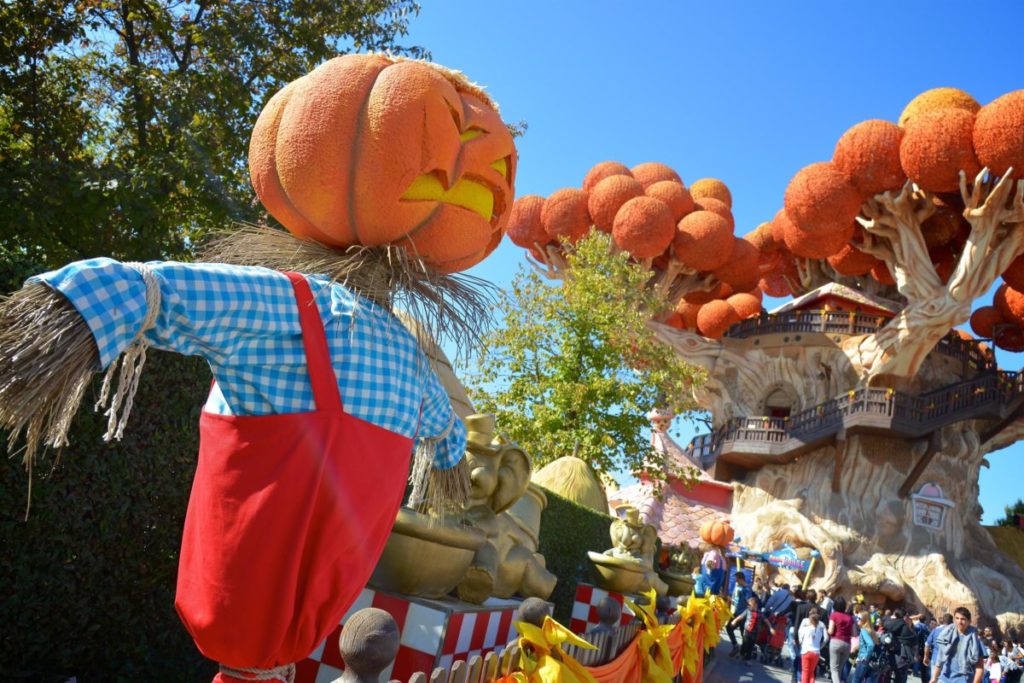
<point>652,642</point>
<point>542,655</point>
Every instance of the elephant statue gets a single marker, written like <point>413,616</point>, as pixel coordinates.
<point>508,562</point>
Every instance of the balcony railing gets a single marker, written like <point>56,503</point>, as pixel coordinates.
<point>987,395</point>
<point>846,322</point>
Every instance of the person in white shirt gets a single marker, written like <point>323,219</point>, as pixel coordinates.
<point>812,636</point>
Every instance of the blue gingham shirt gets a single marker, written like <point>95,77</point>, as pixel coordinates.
<point>245,322</point>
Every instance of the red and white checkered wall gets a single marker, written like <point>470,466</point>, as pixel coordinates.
<point>584,608</point>
<point>432,634</point>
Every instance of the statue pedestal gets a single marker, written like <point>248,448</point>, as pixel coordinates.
<point>584,608</point>
<point>433,633</point>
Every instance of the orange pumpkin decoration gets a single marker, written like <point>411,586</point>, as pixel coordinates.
<point>718,532</point>
<point>373,150</point>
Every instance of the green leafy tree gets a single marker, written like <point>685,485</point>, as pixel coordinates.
<point>573,370</point>
<point>124,124</point>
<point>1011,510</point>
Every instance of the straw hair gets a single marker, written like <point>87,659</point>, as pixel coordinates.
<point>451,307</point>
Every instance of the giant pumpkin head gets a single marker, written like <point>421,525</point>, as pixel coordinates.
<point>373,150</point>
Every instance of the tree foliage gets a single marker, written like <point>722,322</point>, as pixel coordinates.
<point>573,370</point>
<point>1011,511</point>
<point>124,124</point>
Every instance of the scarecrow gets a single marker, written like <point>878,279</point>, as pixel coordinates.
<point>391,176</point>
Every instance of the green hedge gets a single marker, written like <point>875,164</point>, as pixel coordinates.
<point>88,579</point>
<point>567,531</point>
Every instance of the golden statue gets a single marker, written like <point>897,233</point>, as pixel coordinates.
<point>507,563</point>
<point>628,566</point>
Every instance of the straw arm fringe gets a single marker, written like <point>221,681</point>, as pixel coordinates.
<point>47,359</point>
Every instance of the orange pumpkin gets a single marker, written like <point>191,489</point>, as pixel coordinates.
<point>373,150</point>
<point>717,532</point>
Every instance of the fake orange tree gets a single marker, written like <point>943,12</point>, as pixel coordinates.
<point>921,215</point>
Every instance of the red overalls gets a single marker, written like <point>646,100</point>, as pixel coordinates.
<point>287,519</point>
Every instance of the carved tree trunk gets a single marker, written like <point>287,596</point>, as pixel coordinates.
<point>866,533</point>
<point>892,224</point>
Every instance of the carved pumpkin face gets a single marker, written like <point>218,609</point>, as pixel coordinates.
<point>371,150</point>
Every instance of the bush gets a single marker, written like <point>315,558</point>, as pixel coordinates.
<point>567,532</point>
<point>93,568</point>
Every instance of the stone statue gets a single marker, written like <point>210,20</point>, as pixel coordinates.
<point>631,537</point>
<point>507,563</point>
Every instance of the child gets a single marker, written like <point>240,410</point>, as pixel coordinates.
<point>754,617</point>
<point>993,668</point>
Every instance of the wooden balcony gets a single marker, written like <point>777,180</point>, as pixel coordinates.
<point>752,442</point>
<point>969,351</point>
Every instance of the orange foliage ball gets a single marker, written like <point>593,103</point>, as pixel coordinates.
<point>699,297</point>
<point>1010,303</point>
<point>812,245</point>
<point>999,134</point>
<point>882,275</point>
<point>745,305</point>
<point>643,227</point>
<point>937,146</point>
<point>763,238</point>
<point>715,317</point>
<point>935,100</point>
<point>984,320</point>
<point>331,154</point>
<point>943,226</point>
<point>711,188</point>
<point>869,153</point>
<point>741,271</point>
<point>821,199</point>
<point>852,261</point>
<point>703,241</point>
<point>674,320</point>
<point>1010,339</point>
<point>608,196</point>
<point>675,196</point>
<point>601,171</point>
<point>688,314</point>
<point>719,533</point>
<point>651,172</point>
<point>944,261</point>
<point>716,206</point>
<point>565,215</point>
<point>1014,274</point>
<point>774,284</point>
<point>524,225</point>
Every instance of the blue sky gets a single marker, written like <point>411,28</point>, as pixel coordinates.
<point>748,92</point>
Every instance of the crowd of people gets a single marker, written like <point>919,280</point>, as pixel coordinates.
<point>857,642</point>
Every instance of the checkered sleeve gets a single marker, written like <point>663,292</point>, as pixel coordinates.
<point>437,416</point>
<point>205,309</point>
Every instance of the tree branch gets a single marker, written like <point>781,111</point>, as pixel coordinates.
<point>893,226</point>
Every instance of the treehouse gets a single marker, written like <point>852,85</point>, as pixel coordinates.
<point>838,417</point>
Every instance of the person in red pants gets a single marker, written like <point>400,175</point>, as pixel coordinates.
<point>812,636</point>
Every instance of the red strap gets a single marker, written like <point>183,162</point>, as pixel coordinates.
<point>318,356</point>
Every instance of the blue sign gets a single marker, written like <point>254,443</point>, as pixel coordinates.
<point>786,558</point>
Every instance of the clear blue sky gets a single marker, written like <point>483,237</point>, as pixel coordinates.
<point>748,92</point>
